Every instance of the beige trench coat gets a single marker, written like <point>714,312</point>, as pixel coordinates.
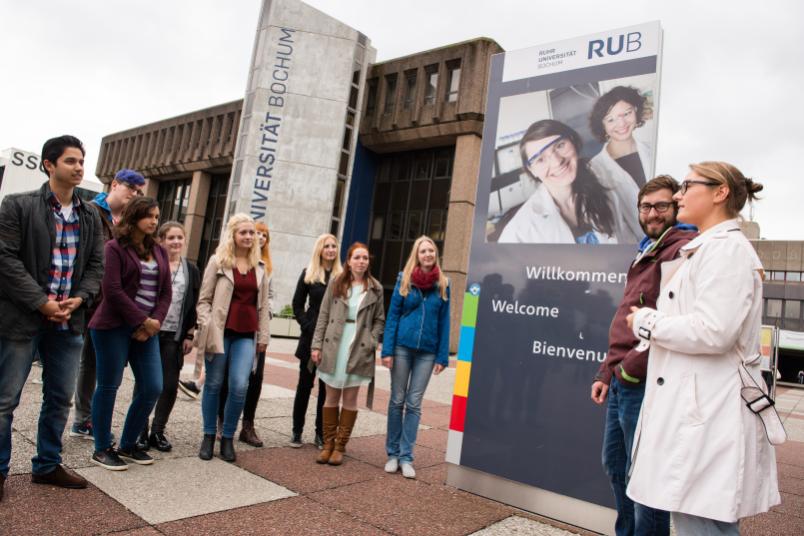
<point>698,449</point>
<point>213,306</point>
<point>369,324</point>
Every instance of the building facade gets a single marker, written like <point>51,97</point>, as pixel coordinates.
<point>405,163</point>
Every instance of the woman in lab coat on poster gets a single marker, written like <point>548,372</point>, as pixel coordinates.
<point>700,453</point>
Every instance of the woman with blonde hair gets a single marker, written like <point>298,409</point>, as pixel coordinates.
<point>248,434</point>
<point>347,332</point>
<point>415,345</point>
<point>701,450</point>
<point>233,327</point>
<point>324,265</point>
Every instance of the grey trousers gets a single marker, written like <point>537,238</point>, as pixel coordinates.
<point>85,383</point>
<point>687,525</point>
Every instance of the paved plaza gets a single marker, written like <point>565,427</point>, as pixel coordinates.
<point>280,490</point>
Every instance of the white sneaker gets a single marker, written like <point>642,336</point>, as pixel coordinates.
<point>408,471</point>
<point>392,465</point>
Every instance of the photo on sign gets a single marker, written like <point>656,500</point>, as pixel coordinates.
<point>569,162</point>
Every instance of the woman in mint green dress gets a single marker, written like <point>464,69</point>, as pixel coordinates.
<point>347,332</point>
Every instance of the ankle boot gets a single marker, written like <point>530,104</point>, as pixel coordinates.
<point>207,446</point>
<point>227,452</point>
<point>248,435</point>
<point>142,440</point>
<point>345,425</point>
<point>330,429</point>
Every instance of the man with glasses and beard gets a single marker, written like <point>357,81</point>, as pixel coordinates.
<point>621,377</point>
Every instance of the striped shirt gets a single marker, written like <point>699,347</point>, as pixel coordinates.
<point>65,248</point>
<point>149,285</point>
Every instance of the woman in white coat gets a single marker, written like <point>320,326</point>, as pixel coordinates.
<point>569,205</point>
<point>624,163</point>
<point>700,453</point>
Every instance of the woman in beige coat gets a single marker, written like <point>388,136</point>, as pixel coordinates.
<point>347,332</point>
<point>699,452</point>
<point>233,316</point>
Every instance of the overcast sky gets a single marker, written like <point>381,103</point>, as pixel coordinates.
<point>732,72</point>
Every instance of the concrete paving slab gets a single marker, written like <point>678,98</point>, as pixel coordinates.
<point>772,523</point>
<point>36,509</point>
<point>521,526</point>
<point>296,469</point>
<point>22,450</point>
<point>368,423</point>
<point>795,429</point>
<point>186,440</point>
<point>428,509</point>
<point>298,515</point>
<point>437,474</point>
<point>436,417</point>
<point>792,505</point>
<point>434,438</point>
<point>185,487</point>
<point>76,451</point>
<point>274,391</point>
<point>372,450</point>
<point>791,453</point>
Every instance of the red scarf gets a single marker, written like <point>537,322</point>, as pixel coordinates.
<point>424,280</point>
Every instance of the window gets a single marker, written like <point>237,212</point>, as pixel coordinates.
<point>390,93</point>
<point>453,80</point>
<point>410,89</point>
<point>430,92</point>
<point>213,218</point>
<point>773,308</point>
<point>794,276</point>
<point>173,198</point>
<point>777,276</point>
<point>792,309</point>
<point>371,99</point>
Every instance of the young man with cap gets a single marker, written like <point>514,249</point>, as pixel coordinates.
<point>126,185</point>
<point>51,258</point>
<point>621,377</point>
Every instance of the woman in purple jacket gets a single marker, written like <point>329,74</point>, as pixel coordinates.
<point>136,297</point>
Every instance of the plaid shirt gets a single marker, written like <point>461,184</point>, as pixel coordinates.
<point>64,252</point>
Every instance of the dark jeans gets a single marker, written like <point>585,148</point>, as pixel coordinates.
<point>302,399</point>
<point>252,393</point>
<point>85,384</point>
<point>113,349</point>
<point>622,414</point>
<point>59,352</point>
<point>172,357</point>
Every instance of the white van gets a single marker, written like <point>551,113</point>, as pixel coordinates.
<point>20,171</point>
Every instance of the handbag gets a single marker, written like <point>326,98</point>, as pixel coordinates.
<point>763,406</point>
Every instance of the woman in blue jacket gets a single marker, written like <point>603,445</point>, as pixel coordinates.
<point>415,345</point>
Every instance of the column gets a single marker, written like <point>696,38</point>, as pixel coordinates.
<point>196,210</point>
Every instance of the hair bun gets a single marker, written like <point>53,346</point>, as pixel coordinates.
<point>753,187</point>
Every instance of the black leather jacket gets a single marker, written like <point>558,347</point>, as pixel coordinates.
<point>27,238</point>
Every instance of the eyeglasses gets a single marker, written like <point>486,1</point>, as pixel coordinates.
<point>560,146</point>
<point>135,189</point>
<point>685,185</point>
<point>661,207</point>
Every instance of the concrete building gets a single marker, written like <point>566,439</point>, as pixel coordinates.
<point>412,170</point>
<point>783,291</point>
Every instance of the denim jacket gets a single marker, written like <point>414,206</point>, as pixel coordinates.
<point>419,321</point>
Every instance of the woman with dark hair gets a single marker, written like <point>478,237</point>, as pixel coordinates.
<point>176,334</point>
<point>702,450</point>
<point>347,332</point>
<point>569,205</point>
<point>136,297</point>
<point>624,163</point>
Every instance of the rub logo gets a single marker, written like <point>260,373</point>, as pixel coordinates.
<point>615,45</point>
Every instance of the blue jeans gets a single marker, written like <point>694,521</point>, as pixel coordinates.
<point>59,352</point>
<point>113,348</point>
<point>622,414</point>
<point>409,378</point>
<point>689,525</point>
<point>238,355</point>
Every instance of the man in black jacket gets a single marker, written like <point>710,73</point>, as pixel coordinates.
<point>51,261</point>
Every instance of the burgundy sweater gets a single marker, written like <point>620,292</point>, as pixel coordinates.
<point>641,290</point>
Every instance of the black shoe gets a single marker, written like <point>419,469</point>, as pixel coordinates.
<point>318,441</point>
<point>138,456</point>
<point>227,452</point>
<point>296,441</point>
<point>207,446</point>
<point>108,459</point>
<point>159,442</point>
<point>190,389</point>
<point>142,441</point>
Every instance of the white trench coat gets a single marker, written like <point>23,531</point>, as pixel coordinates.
<point>698,449</point>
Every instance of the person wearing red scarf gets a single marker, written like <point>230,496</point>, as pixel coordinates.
<point>415,345</point>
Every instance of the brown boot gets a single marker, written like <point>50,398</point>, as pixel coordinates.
<point>329,416</point>
<point>248,435</point>
<point>61,477</point>
<point>345,425</point>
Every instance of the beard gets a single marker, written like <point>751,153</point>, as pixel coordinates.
<point>656,227</point>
